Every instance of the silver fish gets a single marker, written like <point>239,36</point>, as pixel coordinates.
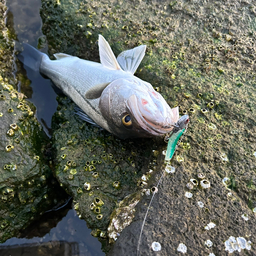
<point>108,92</point>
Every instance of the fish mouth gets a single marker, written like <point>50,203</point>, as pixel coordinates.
<point>158,122</point>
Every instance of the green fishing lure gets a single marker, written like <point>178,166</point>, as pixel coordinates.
<point>172,143</point>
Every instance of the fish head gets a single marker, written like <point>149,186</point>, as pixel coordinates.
<point>133,108</point>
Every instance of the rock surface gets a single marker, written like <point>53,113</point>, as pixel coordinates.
<point>200,56</point>
<point>25,192</point>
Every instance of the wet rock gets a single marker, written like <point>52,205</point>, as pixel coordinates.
<point>96,168</point>
<point>200,56</point>
<point>25,192</point>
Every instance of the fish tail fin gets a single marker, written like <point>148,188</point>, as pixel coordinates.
<point>31,57</point>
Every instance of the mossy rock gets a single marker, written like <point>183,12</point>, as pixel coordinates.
<point>96,168</point>
<point>25,192</point>
<point>200,56</point>
<point>24,175</point>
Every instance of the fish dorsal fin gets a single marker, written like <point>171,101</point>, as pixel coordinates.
<point>60,55</point>
<point>96,91</point>
<point>107,57</point>
<point>130,60</point>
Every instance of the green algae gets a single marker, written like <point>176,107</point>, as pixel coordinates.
<point>107,169</point>
<point>200,56</point>
<point>24,173</point>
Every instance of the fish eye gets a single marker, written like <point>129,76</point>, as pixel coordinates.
<point>126,120</point>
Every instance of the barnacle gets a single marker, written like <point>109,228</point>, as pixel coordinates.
<point>37,158</point>
<point>69,163</point>
<point>190,185</point>
<point>200,204</point>
<point>200,176</point>
<point>210,105</point>
<point>65,168</point>
<point>63,156</point>
<point>212,126</point>
<point>73,164</point>
<point>236,244</point>
<point>142,184</point>
<point>154,190</point>
<point>2,97</point>
<point>87,186</point>
<point>104,156</point>
<point>223,157</point>
<point>99,217</point>
<point>103,234</point>
<point>180,158</point>
<point>188,194</point>
<point>10,132</point>
<point>169,169</point>
<point>10,110</point>
<point>210,226</point>
<point>79,191</point>
<point>205,184</point>
<point>73,171</point>
<point>208,243</point>
<point>8,148</point>
<point>14,127</point>
<point>98,201</point>
<point>92,206</point>
<point>97,210</point>
<point>132,163</point>
<point>156,247</point>
<point>95,175</point>
<point>245,217</point>
<point>76,206</point>
<point>116,184</point>
<point>144,177</point>
<point>91,168</point>
<point>182,248</point>
<point>20,105</point>
<point>30,113</point>
<point>226,181</point>
<point>204,111</point>
<point>194,182</point>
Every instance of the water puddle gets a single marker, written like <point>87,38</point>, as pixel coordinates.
<point>24,23</point>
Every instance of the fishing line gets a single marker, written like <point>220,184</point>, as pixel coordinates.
<point>143,223</point>
<point>174,145</point>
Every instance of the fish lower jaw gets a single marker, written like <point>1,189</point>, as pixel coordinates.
<point>156,129</point>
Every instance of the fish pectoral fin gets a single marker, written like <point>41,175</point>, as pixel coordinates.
<point>96,91</point>
<point>130,60</point>
<point>84,117</point>
<point>60,55</point>
<point>107,57</point>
